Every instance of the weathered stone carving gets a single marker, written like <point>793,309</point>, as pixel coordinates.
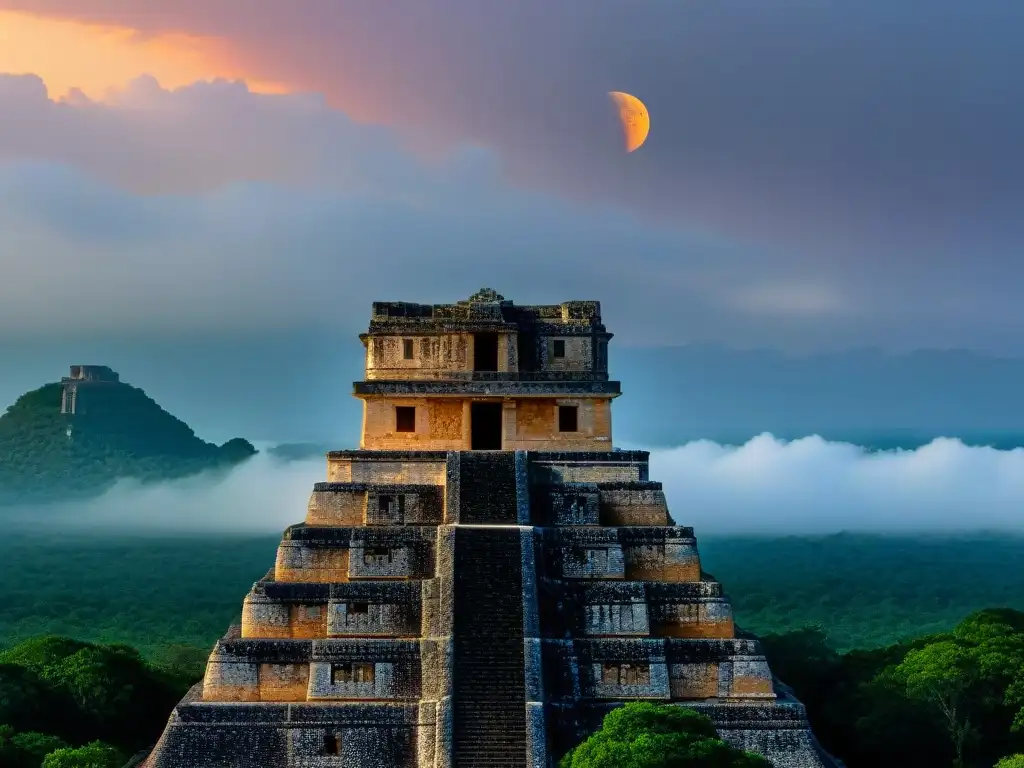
<point>480,590</point>
<point>486,294</point>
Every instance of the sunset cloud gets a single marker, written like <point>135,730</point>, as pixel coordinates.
<point>73,55</point>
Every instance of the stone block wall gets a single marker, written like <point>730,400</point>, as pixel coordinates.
<point>532,425</point>
<point>434,356</point>
<point>440,424</point>
<point>301,562</point>
<point>356,504</point>
<point>414,467</point>
<point>633,504</point>
<point>611,504</point>
<point>579,467</point>
<point>697,618</point>
<point>444,424</point>
<point>318,554</point>
<point>349,609</point>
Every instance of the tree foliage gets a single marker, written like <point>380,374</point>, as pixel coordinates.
<point>80,692</point>
<point>868,590</point>
<point>930,702</point>
<point>26,749</point>
<point>644,735</point>
<point>96,754</point>
<point>941,675</point>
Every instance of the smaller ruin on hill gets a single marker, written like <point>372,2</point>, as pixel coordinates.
<point>83,375</point>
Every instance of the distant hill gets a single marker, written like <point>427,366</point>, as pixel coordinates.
<point>299,451</point>
<point>116,432</point>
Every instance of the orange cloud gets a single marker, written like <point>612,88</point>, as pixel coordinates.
<point>95,58</point>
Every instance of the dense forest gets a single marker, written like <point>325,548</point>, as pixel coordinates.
<point>69,704</point>
<point>870,631</point>
<point>117,432</point>
<point>866,590</point>
<point>950,699</point>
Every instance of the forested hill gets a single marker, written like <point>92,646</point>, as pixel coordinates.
<point>117,432</point>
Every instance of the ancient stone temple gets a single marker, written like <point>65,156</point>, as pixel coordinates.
<point>483,579</point>
<point>83,377</point>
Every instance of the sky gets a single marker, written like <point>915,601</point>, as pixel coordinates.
<point>818,175</point>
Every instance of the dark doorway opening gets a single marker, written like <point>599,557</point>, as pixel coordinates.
<point>485,351</point>
<point>527,348</point>
<point>485,426</point>
<point>567,418</point>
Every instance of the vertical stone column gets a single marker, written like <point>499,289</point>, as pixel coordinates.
<point>508,424</point>
<point>435,742</point>
<point>536,729</point>
<point>467,424</point>
<point>522,471</point>
<point>452,495</point>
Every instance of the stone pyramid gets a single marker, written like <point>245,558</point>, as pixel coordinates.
<point>483,579</point>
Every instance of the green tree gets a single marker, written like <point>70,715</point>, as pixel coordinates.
<point>25,698</point>
<point>941,675</point>
<point>95,691</point>
<point>1014,761</point>
<point>93,755</point>
<point>644,735</point>
<point>26,750</point>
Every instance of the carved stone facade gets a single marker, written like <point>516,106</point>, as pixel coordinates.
<point>447,606</point>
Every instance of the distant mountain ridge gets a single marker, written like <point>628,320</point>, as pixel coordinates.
<point>864,396</point>
<point>118,431</point>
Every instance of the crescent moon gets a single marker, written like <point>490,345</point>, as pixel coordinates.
<point>636,122</point>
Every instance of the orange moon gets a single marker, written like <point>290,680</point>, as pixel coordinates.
<point>636,122</point>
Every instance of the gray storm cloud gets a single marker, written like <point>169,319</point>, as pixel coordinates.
<point>763,487</point>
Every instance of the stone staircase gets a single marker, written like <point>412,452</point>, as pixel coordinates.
<point>489,691</point>
<point>487,487</point>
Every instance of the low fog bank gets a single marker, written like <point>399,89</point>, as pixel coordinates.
<point>769,486</point>
<point>766,486</point>
<point>265,494</point>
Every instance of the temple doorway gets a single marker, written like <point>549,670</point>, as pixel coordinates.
<point>485,426</point>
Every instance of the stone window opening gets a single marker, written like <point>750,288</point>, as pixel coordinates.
<point>597,558</point>
<point>626,674</point>
<point>578,504</point>
<point>312,611</point>
<point>558,348</point>
<point>568,418</point>
<point>353,672</point>
<point>407,349</point>
<point>386,504</point>
<point>332,744</point>
<point>390,507</point>
<point>405,418</point>
<point>357,609</point>
<point>377,556</point>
